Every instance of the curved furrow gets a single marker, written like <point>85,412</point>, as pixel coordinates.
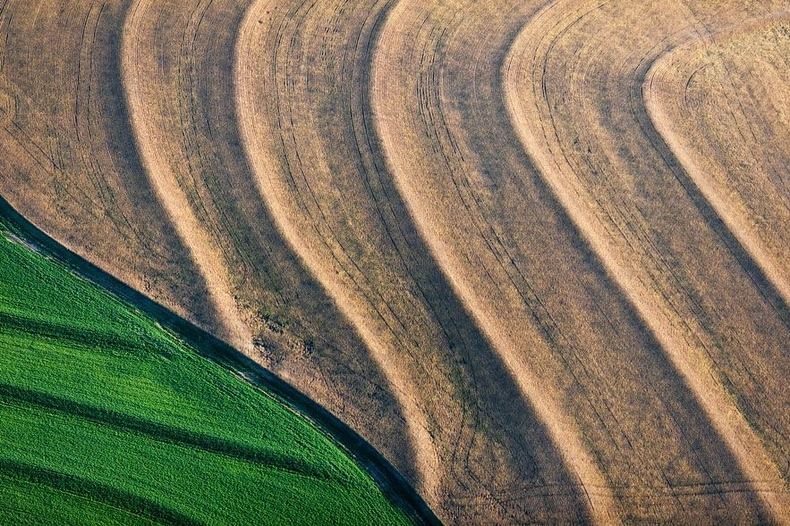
<point>626,422</point>
<point>738,153</point>
<point>179,60</point>
<point>275,30</point>
<point>141,60</point>
<point>68,162</point>
<point>573,85</point>
<point>302,79</point>
<point>415,36</point>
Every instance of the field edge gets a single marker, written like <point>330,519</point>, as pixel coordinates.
<point>391,482</point>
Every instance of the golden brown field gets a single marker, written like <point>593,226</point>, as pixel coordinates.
<point>535,252</point>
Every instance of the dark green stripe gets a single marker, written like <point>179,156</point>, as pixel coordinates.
<point>95,491</point>
<point>164,433</point>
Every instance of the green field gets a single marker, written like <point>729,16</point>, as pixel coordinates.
<point>108,418</point>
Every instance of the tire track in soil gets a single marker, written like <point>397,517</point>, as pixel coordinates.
<point>309,134</point>
<point>71,166</point>
<point>672,293</point>
<point>297,330</point>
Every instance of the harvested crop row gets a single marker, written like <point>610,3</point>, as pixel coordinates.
<point>574,88</point>
<point>158,119</point>
<point>722,103</point>
<point>623,418</point>
<point>305,117</point>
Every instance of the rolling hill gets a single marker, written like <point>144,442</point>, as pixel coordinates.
<point>534,251</point>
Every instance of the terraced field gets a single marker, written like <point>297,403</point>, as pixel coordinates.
<point>534,251</point>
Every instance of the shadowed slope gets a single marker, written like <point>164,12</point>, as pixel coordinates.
<point>179,73</point>
<point>573,87</point>
<point>67,158</point>
<point>624,419</point>
<point>722,104</point>
<point>302,93</point>
<point>142,66</point>
<point>454,223</point>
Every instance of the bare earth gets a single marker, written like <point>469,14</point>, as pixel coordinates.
<point>536,252</point>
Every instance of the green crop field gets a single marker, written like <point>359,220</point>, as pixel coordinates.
<point>109,418</point>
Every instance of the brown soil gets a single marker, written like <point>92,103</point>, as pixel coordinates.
<point>533,251</point>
